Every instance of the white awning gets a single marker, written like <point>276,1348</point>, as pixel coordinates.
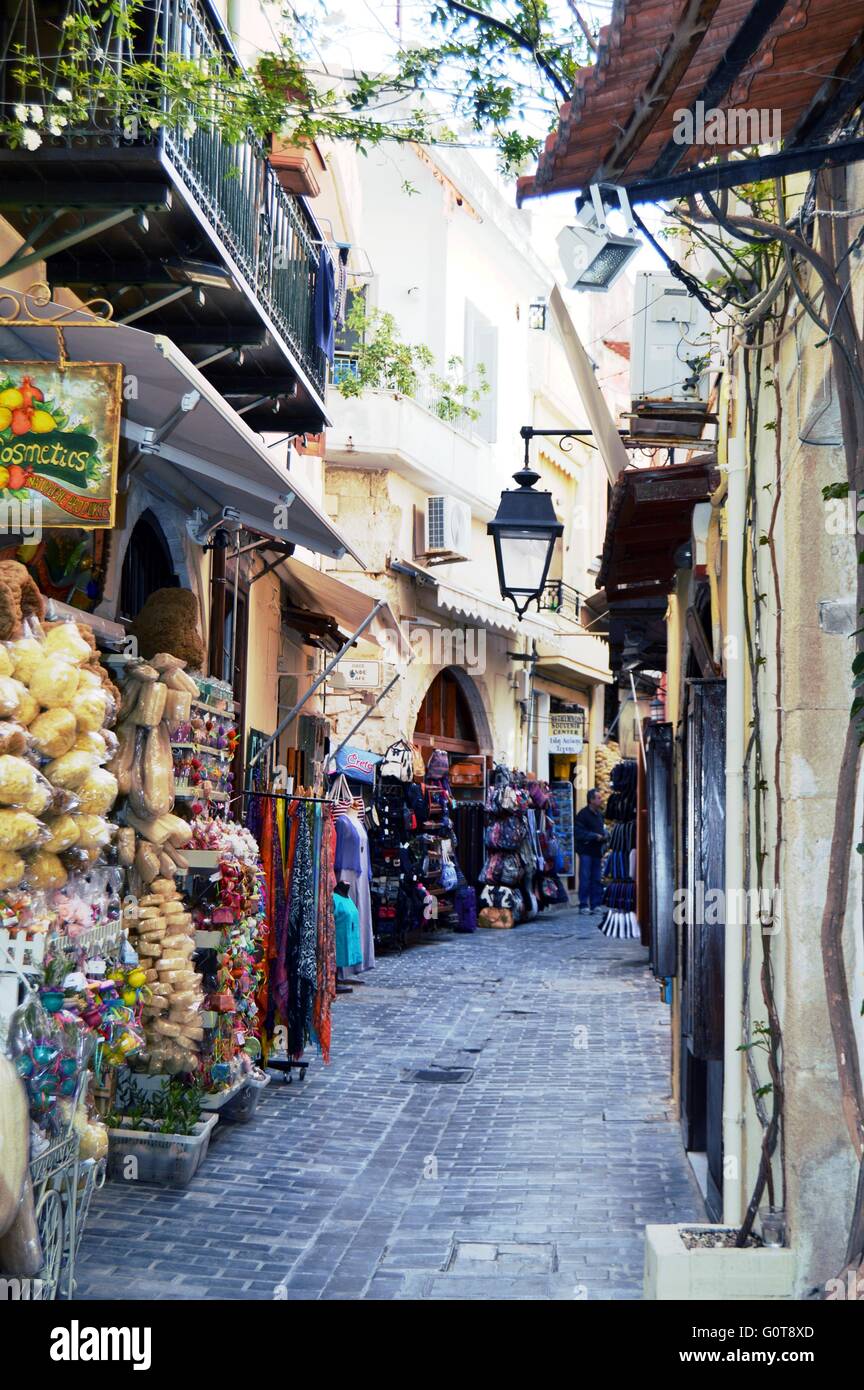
<point>606,435</point>
<point>488,613</point>
<point>178,418</point>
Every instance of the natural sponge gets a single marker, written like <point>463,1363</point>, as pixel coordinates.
<point>169,622</point>
<point>19,599</point>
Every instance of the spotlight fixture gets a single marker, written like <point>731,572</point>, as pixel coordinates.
<point>593,257</point>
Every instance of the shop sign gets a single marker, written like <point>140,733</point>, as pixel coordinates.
<point>59,437</point>
<point>566,733</point>
<point>356,675</point>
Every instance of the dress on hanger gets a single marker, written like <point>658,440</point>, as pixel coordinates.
<point>347,918</point>
<point>352,867</point>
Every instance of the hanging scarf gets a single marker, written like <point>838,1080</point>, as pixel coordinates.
<point>326,925</point>
<point>300,966</point>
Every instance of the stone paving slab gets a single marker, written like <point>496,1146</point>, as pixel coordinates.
<point>357,1185</point>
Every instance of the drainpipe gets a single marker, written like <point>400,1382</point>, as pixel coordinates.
<point>736,691</point>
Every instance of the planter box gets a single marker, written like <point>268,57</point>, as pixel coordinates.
<point>168,1160</point>
<point>674,1272</point>
<point>298,166</point>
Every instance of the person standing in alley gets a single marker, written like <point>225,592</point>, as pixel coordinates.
<point>590,837</point>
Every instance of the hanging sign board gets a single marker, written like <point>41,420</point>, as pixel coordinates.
<point>564,816</point>
<point>565,733</point>
<point>59,435</point>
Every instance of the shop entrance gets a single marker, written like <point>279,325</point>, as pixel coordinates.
<point>147,566</point>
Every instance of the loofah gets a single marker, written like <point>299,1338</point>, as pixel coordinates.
<point>19,599</point>
<point>169,622</point>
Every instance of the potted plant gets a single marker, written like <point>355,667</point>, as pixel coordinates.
<point>158,1137</point>
<point>690,1261</point>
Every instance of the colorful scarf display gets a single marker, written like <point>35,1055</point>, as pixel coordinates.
<point>297,840</point>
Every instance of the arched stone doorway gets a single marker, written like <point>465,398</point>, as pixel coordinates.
<point>452,715</point>
<point>148,565</point>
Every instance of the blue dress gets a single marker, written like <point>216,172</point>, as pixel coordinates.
<point>347,920</point>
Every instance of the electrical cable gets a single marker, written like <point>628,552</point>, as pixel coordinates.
<point>688,280</point>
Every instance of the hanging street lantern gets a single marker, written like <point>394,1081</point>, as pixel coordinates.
<point>524,530</point>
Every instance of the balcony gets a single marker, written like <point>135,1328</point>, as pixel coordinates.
<point>421,437</point>
<point>184,234</point>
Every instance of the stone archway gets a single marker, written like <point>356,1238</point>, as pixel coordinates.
<point>452,715</point>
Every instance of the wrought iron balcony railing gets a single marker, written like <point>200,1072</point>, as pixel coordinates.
<point>267,232</point>
<point>558,597</point>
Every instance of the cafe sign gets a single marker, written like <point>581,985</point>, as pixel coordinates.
<point>59,436</point>
<point>566,733</point>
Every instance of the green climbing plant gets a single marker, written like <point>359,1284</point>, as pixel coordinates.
<point>384,361</point>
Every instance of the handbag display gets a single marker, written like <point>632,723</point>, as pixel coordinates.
<point>398,762</point>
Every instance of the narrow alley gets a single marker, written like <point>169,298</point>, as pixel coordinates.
<point>534,1178</point>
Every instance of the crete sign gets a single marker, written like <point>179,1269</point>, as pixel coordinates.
<point>59,432</point>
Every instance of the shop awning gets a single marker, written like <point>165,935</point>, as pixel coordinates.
<point>347,605</point>
<point>569,670</point>
<point>649,520</point>
<point>497,617</point>
<point>794,66</point>
<point>603,427</point>
<point>179,421</point>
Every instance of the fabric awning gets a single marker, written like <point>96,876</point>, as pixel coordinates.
<point>603,427</point>
<point>179,421</point>
<point>347,605</point>
<point>497,617</point>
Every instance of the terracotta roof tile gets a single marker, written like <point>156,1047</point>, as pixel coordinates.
<point>803,47</point>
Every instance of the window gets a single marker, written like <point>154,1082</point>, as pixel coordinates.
<point>348,340</point>
<point>481,350</point>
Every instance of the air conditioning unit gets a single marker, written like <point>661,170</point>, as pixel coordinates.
<point>670,342</point>
<point>448,530</point>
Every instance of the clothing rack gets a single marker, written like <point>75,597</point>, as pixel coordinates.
<point>281,796</point>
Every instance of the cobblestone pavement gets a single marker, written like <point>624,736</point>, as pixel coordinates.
<point>533,1179</point>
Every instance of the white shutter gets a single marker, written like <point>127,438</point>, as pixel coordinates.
<point>481,347</point>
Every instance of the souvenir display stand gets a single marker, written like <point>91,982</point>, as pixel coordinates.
<point>417,881</point>
<point>69,992</point>
<point>523,858</point>
<point>296,836</point>
<point>619,867</point>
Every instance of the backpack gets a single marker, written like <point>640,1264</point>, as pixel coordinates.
<point>438,765</point>
<point>398,762</point>
<point>507,833</point>
<point>449,876</point>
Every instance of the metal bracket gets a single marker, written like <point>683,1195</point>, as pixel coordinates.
<point>28,254</point>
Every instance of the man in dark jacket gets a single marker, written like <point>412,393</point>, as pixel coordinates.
<point>590,834</point>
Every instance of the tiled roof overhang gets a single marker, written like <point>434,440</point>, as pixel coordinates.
<point>803,58</point>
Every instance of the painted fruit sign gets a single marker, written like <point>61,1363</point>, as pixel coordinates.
<point>59,432</point>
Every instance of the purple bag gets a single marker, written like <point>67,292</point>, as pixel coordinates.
<point>438,765</point>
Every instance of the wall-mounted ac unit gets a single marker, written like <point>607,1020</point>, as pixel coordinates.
<point>670,342</point>
<point>448,530</point>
